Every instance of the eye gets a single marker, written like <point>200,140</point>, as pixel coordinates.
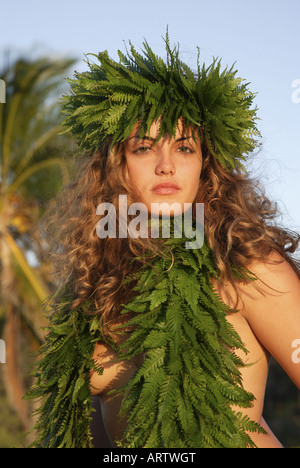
<point>142,150</point>
<point>185,149</point>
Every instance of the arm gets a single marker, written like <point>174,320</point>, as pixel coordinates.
<point>273,312</point>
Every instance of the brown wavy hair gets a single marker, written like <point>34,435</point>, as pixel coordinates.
<point>240,225</point>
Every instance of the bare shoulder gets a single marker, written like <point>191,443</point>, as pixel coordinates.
<point>274,275</point>
<point>271,306</point>
<point>273,278</point>
<point>275,290</point>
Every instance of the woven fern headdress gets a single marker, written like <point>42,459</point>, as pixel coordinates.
<point>107,102</point>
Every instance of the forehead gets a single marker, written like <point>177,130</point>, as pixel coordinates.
<point>181,131</point>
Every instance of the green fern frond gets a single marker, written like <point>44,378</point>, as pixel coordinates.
<point>181,396</point>
<point>150,88</point>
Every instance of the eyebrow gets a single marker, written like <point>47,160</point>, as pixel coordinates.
<point>137,137</point>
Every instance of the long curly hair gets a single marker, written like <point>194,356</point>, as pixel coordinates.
<point>240,226</point>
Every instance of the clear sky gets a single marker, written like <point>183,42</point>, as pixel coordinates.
<point>261,36</point>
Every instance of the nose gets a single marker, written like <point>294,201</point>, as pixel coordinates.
<point>164,164</point>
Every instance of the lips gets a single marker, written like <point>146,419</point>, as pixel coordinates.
<point>166,188</point>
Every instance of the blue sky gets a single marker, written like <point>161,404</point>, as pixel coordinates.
<point>261,36</point>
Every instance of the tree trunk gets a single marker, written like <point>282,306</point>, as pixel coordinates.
<point>13,369</point>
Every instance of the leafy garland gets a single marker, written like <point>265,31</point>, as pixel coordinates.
<point>107,101</point>
<point>182,394</point>
<point>62,378</point>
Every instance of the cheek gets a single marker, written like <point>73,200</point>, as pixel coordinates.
<point>130,170</point>
<point>193,189</point>
<point>135,175</point>
<point>193,177</point>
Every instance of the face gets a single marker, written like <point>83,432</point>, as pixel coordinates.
<point>166,172</point>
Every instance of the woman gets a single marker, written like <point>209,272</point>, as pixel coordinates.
<point>181,338</point>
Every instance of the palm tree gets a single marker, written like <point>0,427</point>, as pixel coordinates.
<point>33,165</point>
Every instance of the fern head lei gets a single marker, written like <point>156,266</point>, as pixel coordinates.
<point>107,102</point>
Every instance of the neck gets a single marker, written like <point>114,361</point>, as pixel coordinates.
<point>179,230</point>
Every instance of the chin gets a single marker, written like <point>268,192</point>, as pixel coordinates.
<point>166,209</point>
